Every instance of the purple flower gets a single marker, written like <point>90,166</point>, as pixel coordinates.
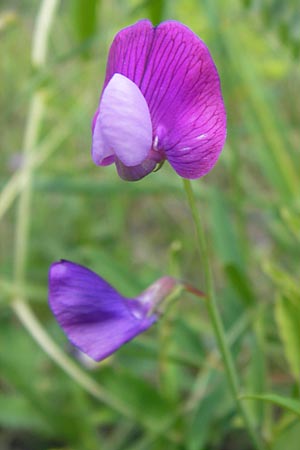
<point>93,315</point>
<point>161,100</point>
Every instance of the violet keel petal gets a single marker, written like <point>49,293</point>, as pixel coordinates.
<point>93,315</point>
<point>136,172</point>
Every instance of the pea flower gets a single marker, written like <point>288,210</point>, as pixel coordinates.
<point>161,100</point>
<point>94,316</point>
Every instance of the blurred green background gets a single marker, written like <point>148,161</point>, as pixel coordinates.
<point>166,389</point>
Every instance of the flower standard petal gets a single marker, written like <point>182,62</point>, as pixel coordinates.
<point>123,125</point>
<point>93,315</point>
<point>177,76</point>
<point>185,100</point>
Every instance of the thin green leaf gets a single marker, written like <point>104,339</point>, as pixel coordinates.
<point>282,279</point>
<point>224,235</point>
<point>240,284</point>
<point>85,21</point>
<point>287,315</point>
<point>289,404</point>
<point>16,412</point>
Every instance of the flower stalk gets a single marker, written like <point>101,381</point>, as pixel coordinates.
<point>216,320</point>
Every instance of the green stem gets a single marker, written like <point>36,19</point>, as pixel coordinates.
<point>42,152</point>
<point>30,322</point>
<point>35,115</point>
<point>19,304</point>
<point>165,331</point>
<point>216,320</point>
<point>41,32</point>
<point>41,35</point>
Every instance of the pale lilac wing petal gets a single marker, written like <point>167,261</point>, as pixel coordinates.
<point>123,126</point>
<point>98,149</point>
<point>180,83</point>
<point>101,151</point>
<point>93,315</point>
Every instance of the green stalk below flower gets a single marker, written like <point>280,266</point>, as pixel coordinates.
<point>216,320</point>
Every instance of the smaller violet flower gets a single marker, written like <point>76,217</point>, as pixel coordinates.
<point>94,316</point>
<point>161,100</point>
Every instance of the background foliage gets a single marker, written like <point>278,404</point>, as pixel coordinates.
<point>166,389</point>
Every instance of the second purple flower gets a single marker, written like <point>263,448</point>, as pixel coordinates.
<point>161,100</point>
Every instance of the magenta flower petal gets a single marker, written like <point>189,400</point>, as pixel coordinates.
<point>93,315</point>
<point>175,73</point>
